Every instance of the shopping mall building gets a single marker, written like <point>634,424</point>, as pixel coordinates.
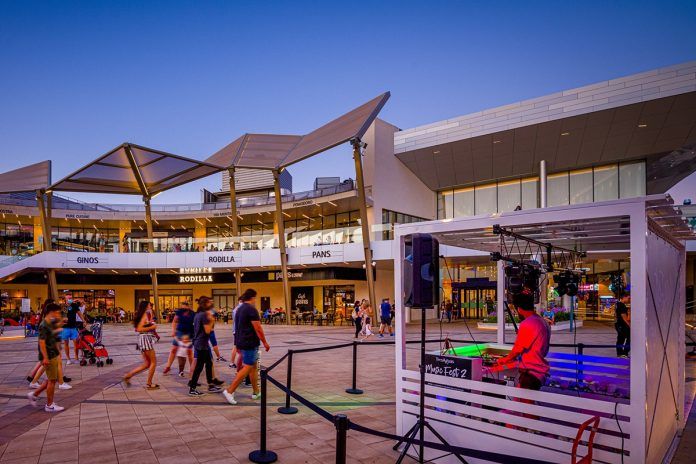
<point>627,137</point>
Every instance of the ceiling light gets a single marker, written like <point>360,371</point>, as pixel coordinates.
<point>565,133</point>
<point>199,222</point>
<point>497,141</point>
<point>155,220</point>
<point>90,269</point>
<point>135,272</point>
<point>642,125</point>
<point>332,203</point>
<point>436,152</point>
<point>286,214</point>
<point>114,271</point>
<point>73,271</point>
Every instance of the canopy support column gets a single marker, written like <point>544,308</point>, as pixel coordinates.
<point>46,241</point>
<point>235,230</point>
<point>281,243</point>
<point>151,249</point>
<point>362,200</point>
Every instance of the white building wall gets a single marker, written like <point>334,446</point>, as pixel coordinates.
<point>393,186</point>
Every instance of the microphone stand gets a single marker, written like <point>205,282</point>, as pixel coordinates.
<point>421,424</point>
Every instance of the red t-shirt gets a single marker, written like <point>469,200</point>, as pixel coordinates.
<point>533,340</point>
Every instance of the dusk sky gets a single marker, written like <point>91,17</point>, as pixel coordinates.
<point>79,78</point>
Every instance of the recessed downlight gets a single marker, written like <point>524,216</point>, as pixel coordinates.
<point>642,125</point>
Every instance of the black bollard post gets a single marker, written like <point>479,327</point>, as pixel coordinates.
<point>262,455</point>
<point>341,422</point>
<point>354,390</point>
<point>287,409</point>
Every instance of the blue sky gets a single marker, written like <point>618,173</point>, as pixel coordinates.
<point>78,78</point>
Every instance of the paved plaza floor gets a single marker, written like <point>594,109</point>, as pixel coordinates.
<point>107,422</point>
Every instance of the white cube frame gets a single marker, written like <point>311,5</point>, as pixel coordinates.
<point>650,423</point>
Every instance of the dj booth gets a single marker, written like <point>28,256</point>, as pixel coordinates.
<point>473,403</point>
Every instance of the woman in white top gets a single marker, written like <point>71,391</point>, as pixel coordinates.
<point>146,328</point>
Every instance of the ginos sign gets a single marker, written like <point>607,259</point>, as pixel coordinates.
<point>87,260</point>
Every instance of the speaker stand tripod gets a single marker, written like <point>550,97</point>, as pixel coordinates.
<point>421,424</point>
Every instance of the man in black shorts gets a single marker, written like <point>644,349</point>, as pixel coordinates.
<point>385,318</point>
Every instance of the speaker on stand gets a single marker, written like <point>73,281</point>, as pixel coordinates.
<point>421,291</point>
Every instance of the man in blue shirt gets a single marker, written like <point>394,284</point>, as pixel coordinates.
<point>182,324</point>
<point>385,318</point>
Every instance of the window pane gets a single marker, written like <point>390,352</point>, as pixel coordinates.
<point>486,199</point>
<point>632,180</point>
<point>509,196</point>
<point>464,202</point>
<point>530,194</point>
<point>445,205</point>
<point>581,186</point>
<point>606,183</point>
<point>557,189</point>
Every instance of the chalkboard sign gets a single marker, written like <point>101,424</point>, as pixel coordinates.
<point>453,366</point>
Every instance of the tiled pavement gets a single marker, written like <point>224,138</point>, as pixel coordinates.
<point>105,422</point>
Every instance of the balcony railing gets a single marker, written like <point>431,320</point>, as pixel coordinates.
<point>70,204</point>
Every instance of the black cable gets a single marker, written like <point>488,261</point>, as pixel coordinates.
<point>616,417</point>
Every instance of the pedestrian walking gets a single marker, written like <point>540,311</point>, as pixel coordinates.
<point>49,355</point>
<point>203,324</point>
<point>249,336</point>
<point>356,315</point>
<point>146,328</point>
<point>69,331</point>
<point>182,325</point>
<point>367,317</point>
<point>623,327</point>
<point>385,318</point>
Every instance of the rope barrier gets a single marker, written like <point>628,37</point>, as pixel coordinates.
<point>304,401</point>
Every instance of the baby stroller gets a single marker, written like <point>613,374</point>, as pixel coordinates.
<point>90,343</point>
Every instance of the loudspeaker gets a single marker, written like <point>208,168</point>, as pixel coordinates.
<point>421,271</point>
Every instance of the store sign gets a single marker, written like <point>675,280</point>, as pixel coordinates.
<point>453,366</point>
<point>302,298</point>
<point>222,258</point>
<point>7,211</point>
<point>160,234</point>
<point>320,254</point>
<point>274,276</point>
<point>298,204</point>
<point>588,287</point>
<point>88,260</point>
<point>77,216</point>
<point>195,275</point>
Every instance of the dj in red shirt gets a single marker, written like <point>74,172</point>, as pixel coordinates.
<point>531,345</point>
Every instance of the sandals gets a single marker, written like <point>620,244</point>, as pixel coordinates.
<point>152,387</point>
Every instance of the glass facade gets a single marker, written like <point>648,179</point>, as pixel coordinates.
<point>392,217</point>
<point>600,183</point>
<point>86,239</point>
<point>16,239</point>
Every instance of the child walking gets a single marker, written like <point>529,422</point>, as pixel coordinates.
<point>184,348</point>
<point>367,327</point>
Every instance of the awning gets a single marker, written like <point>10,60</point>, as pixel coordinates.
<point>26,179</point>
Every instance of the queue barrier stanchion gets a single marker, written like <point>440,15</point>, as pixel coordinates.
<point>287,409</point>
<point>263,455</point>
<point>342,424</point>
<point>354,390</point>
<point>581,352</point>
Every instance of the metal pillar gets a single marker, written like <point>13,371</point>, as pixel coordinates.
<point>542,183</point>
<point>151,249</point>
<point>362,200</point>
<point>281,244</point>
<point>46,242</point>
<point>235,230</point>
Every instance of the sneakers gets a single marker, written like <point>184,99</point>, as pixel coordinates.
<point>218,382</point>
<point>30,378</point>
<point>68,363</point>
<point>391,335</point>
<point>194,392</point>
<point>221,359</point>
<point>229,397</point>
<point>214,389</point>
<point>34,385</point>
<point>381,335</point>
<point>181,374</point>
<point>53,408</point>
<point>32,398</point>
<point>256,396</point>
<point>64,386</point>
